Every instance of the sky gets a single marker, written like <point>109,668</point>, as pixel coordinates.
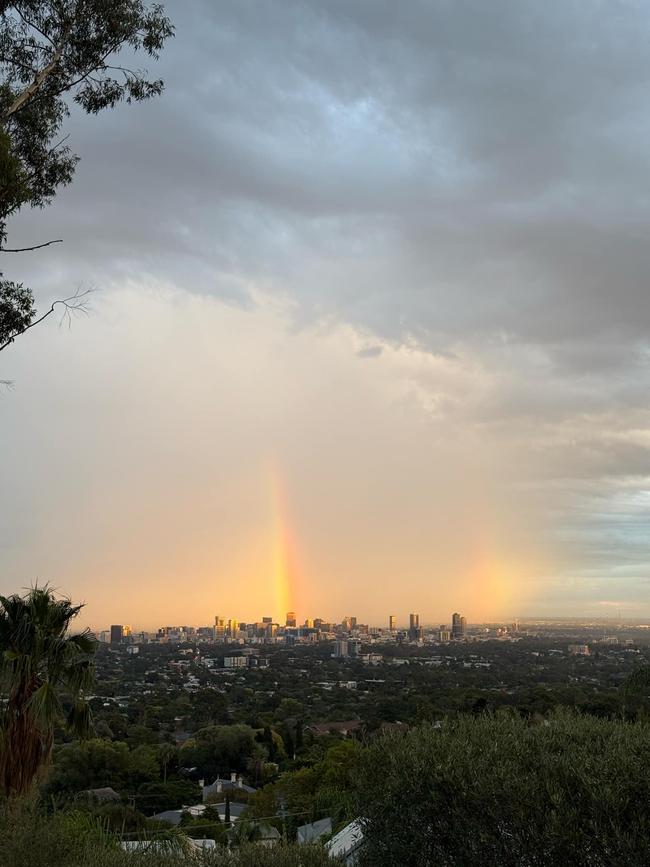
<point>369,323</point>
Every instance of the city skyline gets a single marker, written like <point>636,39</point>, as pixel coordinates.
<point>380,334</point>
<point>222,625</point>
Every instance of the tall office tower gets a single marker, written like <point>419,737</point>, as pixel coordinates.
<point>126,631</point>
<point>456,629</point>
<point>341,648</point>
<point>391,623</point>
<point>233,628</point>
<point>463,626</point>
<point>346,624</point>
<point>291,619</point>
<point>415,633</point>
<point>116,634</point>
<point>353,623</point>
<point>219,628</point>
<point>309,623</point>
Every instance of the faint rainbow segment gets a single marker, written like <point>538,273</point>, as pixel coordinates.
<point>285,558</point>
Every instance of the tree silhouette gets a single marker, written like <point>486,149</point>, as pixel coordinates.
<point>53,52</point>
<point>45,671</point>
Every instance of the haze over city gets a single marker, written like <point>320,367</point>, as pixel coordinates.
<point>369,328</point>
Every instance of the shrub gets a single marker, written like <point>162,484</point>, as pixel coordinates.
<point>70,839</point>
<point>497,790</point>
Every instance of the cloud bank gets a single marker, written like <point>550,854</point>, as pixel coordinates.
<point>446,205</point>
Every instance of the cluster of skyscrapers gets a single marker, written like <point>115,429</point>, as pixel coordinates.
<point>415,632</point>
<point>347,632</point>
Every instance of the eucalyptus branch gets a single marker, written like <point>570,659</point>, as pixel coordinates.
<point>76,303</point>
<point>28,249</point>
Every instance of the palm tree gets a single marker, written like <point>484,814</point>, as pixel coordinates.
<point>43,669</point>
<point>166,754</point>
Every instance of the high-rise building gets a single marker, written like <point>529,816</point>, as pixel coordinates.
<point>391,623</point>
<point>415,633</point>
<point>456,628</point>
<point>116,634</point>
<point>291,619</point>
<point>463,627</point>
<point>219,628</point>
<point>341,648</point>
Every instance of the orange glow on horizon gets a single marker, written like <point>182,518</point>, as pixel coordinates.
<point>286,574</point>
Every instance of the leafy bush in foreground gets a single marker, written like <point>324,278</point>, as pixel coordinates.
<point>29,839</point>
<point>497,790</point>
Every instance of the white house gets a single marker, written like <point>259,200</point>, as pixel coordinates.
<point>347,843</point>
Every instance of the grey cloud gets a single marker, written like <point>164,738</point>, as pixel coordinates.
<point>370,352</point>
<point>444,172</point>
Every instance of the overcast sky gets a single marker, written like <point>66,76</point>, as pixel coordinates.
<point>391,259</point>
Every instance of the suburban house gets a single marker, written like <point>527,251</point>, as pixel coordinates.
<point>234,784</point>
<point>347,843</point>
<point>314,831</point>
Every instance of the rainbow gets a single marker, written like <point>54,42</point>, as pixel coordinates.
<point>285,560</point>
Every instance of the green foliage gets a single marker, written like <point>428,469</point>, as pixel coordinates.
<point>219,750</point>
<point>45,672</point>
<point>16,309</point>
<point>157,797</point>
<point>88,764</point>
<point>289,707</point>
<point>273,744</point>
<point>636,692</point>
<point>324,789</point>
<point>498,790</point>
<point>52,52</point>
<point>207,708</point>
<point>139,735</point>
<point>95,763</point>
<point>117,817</point>
<point>29,839</point>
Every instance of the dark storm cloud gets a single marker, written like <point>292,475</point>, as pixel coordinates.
<point>434,168</point>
